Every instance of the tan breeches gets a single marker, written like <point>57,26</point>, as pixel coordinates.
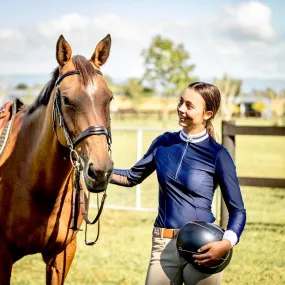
<point>167,267</point>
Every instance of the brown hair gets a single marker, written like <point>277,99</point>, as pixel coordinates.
<point>212,98</point>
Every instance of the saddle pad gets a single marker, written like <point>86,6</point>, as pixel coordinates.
<point>7,116</point>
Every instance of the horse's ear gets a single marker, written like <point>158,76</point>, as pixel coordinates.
<point>63,51</point>
<point>102,51</point>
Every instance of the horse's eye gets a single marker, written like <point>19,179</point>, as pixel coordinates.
<point>66,101</point>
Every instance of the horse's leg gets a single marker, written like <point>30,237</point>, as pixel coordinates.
<point>58,266</point>
<point>6,262</point>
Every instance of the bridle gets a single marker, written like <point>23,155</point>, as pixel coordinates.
<point>92,130</point>
<point>78,192</point>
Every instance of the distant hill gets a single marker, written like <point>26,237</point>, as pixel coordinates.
<point>7,81</point>
<point>32,79</point>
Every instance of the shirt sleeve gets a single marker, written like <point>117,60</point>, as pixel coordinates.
<point>227,179</point>
<point>140,171</point>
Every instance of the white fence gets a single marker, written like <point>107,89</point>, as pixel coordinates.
<point>139,153</point>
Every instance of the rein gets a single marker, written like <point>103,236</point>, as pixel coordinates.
<point>78,192</point>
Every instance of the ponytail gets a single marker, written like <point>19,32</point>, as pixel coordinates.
<point>210,129</point>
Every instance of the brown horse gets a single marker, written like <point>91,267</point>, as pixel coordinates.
<point>71,115</point>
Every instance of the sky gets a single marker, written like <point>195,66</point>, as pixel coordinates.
<point>243,39</point>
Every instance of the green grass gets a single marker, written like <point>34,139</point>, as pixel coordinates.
<point>122,253</point>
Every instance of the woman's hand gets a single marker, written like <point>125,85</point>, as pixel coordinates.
<point>214,251</point>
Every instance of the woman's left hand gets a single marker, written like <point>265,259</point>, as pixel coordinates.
<point>214,251</point>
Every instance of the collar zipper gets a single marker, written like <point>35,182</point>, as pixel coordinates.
<point>182,156</point>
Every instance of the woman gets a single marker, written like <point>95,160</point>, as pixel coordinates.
<point>190,165</point>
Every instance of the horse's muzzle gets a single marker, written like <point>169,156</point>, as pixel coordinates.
<point>96,180</point>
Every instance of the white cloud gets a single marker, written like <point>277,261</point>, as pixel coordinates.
<point>248,21</point>
<point>66,24</point>
<point>12,42</point>
<point>233,42</point>
<point>83,33</point>
<point>230,51</point>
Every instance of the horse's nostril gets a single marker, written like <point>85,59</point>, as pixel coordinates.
<point>91,171</point>
<point>96,174</point>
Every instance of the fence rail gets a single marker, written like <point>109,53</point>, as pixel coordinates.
<point>230,129</point>
<point>229,132</point>
<point>262,182</point>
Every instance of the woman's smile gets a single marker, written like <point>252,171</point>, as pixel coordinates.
<point>182,117</point>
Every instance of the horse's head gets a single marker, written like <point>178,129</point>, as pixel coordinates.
<point>81,111</point>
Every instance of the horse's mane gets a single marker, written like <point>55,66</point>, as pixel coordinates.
<point>87,73</point>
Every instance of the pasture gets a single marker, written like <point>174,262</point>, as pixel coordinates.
<point>122,253</point>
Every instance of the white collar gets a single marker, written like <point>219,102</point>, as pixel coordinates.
<point>193,138</point>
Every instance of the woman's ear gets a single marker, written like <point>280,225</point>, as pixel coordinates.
<point>208,115</point>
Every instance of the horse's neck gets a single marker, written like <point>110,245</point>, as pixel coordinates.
<point>47,159</point>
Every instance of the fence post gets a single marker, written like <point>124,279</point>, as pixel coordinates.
<point>228,141</point>
<point>139,154</point>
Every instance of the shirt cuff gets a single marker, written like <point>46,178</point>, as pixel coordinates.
<point>122,172</point>
<point>231,237</point>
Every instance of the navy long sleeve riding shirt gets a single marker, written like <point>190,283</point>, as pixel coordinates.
<point>189,169</point>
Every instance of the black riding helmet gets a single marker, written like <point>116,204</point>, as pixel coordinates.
<point>196,234</point>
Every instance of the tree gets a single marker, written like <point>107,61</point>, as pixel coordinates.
<point>281,93</point>
<point>22,86</point>
<point>229,89</point>
<point>166,67</point>
<point>270,93</point>
<point>135,90</point>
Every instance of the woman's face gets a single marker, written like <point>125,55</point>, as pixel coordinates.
<point>191,111</point>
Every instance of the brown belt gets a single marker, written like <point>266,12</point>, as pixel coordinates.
<point>165,233</point>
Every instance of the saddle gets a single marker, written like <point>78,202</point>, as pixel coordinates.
<point>7,117</point>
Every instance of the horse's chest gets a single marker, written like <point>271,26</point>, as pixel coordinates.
<point>55,236</point>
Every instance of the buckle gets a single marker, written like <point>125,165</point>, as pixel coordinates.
<point>156,232</point>
<point>175,233</point>
<point>2,113</point>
